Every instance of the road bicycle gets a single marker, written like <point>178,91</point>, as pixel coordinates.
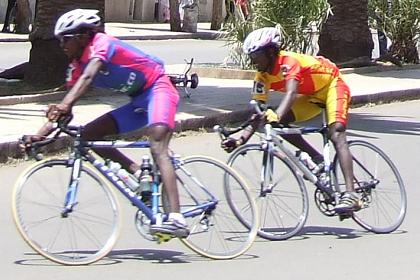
<point>66,209</point>
<point>185,79</point>
<point>278,176</point>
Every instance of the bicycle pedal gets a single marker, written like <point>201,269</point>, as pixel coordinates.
<point>163,237</point>
<point>344,216</point>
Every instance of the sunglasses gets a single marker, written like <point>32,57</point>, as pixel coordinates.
<point>67,37</point>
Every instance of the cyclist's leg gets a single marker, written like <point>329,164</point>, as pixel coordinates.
<point>337,134</point>
<point>160,136</point>
<point>162,102</point>
<point>302,110</point>
<point>338,99</point>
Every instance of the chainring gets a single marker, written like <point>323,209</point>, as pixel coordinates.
<point>143,226</point>
<point>324,202</point>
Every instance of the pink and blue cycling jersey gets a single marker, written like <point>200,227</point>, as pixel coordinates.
<point>127,69</point>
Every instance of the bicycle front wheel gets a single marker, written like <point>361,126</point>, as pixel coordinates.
<point>282,195</point>
<point>380,186</point>
<point>89,231</point>
<point>216,232</point>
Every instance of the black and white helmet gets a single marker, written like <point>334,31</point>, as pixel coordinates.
<point>76,19</point>
<point>261,38</point>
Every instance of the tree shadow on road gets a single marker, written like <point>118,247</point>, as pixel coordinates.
<point>359,123</point>
<point>389,124</point>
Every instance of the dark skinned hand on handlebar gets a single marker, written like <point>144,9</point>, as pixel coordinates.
<point>57,111</point>
<point>229,144</point>
<point>25,143</point>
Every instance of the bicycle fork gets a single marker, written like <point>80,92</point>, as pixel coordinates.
<point>70,200</point>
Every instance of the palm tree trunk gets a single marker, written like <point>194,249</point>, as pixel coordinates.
<point>23,17</point>
<point>346,35</point>
<point>48,63</point>
<point>174,20</point>
<point>216,15</point>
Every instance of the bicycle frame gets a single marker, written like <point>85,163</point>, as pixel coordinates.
<point>275,144</point>
<point>82,150</point>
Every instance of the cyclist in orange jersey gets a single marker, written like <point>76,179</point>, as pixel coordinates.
<point>305,81</point>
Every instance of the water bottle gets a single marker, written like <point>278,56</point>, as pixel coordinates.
<point>146,180</point>
<point>128,179</point>
<point>306,160</point>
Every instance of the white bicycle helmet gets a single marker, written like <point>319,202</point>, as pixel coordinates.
<point>261,38</point>
<point>75,19</point>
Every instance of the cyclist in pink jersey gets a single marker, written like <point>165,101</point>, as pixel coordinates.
<point>100,60</point>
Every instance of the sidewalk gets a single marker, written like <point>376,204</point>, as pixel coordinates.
<point>216,100</point>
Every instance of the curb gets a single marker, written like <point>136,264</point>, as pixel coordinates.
<point>14,40</point>
<point>29,98</point>
<point>385,97</point>
<point>198,35</point>
<point>213,71</point>
<point>10,150</point>
<point>179,35</point>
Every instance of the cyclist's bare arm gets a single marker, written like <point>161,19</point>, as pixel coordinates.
<point>79,89</point>
<point>289,98</point>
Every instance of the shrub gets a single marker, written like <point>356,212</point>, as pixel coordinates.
<point>400,21</point>
<point>298,20</point>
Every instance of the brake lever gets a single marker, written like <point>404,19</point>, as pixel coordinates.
<point>31,151</point>
<point>221,131</point>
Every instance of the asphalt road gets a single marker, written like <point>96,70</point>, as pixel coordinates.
<point>326,249</point>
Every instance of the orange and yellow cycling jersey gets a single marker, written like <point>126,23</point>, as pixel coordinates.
<point>319,79</point>
<point>313,74</point>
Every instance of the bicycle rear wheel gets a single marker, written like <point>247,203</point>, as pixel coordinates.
<point>217,232</point>
<point>283,201</point>
<point>380,185</point>
<point>90,230</point>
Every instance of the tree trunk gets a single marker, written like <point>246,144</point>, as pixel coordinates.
<point>48,63</point>
<point>216,15</point>
<point>23,17</point>
<point>346,35</point>
<point>174,20</point>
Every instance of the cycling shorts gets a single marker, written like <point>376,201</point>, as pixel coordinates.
<point>336,97</point>
<point>156,105</point>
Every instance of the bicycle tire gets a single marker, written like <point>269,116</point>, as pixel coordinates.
<point>216,233</point>
<point>384,206</point>
<point>88,233</point>
<point>283,211</point>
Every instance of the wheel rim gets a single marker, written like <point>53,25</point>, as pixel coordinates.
<point>89,232</point>
<point>284,210</point>
<point>218,234</point>
<point>384,206</point>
